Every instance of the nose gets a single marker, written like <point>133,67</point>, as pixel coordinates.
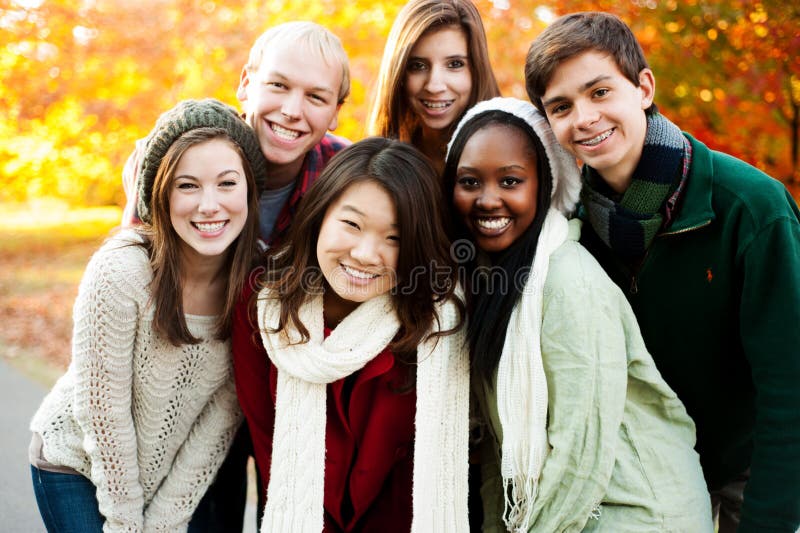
<point>209,202</point>
<point>488,199</point>
<point>586,115</point>
<point>291,106</point>
<point>366,251</point>
<point>436,80</point>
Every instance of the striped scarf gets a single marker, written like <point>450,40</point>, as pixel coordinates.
<point>630,225</point>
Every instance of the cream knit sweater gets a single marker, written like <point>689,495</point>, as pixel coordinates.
<point>147,422</point>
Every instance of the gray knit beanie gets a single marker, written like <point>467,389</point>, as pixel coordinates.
<point>186,116</point>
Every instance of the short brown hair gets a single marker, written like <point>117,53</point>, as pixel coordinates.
<point>575,34</point>
<point>389,115</point>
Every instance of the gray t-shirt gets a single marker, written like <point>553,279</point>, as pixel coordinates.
<point>269,206</point>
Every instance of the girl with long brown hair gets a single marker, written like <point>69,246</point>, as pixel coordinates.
<point>435,66</point>
<point>131,437</point>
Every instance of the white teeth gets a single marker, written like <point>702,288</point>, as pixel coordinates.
<point>283,133</point>
<point>597,140</point>
<point>358,273</point>
<point>209,227</point>
<point>493,223</point>
<point>436,105</point>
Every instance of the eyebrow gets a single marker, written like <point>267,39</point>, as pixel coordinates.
<point>348,207</point>
<point>454,56</point>
<point>283,77</point>
<point>503,169</point>
<point>224,172</point>
<point>582,88</point>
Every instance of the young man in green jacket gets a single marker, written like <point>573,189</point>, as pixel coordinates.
<point>707,250</point>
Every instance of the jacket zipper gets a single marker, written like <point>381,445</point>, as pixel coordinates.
<point>634,288</point>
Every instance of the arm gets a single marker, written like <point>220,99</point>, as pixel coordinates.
<point>196,463</point>
<point>106,319</point>
<point>585,361</point>
<point>251,369</point>
<point>770,329</point>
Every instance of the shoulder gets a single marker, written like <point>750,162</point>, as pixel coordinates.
<point>572,269</point>
<point>737,185</point>
<point>330,144</point>
<point>323,151</point>
<point>121,263</point>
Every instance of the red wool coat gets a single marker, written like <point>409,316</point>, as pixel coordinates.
<point>368,438</point>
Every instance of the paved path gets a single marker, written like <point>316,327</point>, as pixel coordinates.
<point>19,399</point>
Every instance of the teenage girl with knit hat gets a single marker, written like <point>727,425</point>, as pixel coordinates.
<point>369,372</point>
<point>130,438</point>
<point>435,66</point>
<point>584,435</point>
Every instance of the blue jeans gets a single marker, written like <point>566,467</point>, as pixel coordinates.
<point>66,502</point>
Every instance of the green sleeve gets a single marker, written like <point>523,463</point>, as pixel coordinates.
<point>770,329</point>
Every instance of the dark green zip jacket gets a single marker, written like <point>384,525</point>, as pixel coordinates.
<point>717,297</point>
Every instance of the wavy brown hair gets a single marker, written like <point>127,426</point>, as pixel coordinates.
<point>163,245</point>
<point>425,272</point>
<point>390,115</point>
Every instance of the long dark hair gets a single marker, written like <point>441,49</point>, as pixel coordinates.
<point>490,306</point>
<point>163,245</point>
<point>425,272</point>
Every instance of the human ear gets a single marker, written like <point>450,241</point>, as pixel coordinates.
<point>647,85</point>
<point>335,120</point>
<point>244,81</point>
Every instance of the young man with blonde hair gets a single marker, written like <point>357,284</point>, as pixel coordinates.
<point>707,250</point>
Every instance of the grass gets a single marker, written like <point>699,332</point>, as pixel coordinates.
<point>46,246</point>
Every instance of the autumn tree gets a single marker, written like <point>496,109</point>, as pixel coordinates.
<point>81,81</point>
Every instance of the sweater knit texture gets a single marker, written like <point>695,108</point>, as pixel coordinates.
<point>147,422</point>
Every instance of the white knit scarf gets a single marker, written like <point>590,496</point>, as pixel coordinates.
<point>522,387</point>
<point>296,488</point>
<point>521,383</point>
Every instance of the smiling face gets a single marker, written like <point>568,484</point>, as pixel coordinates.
<point>290,104</point>
<point>357,248</point>
<point>496,186</point>
<point>438,79</point>
<point>597,114</point>
<point>208,199</point>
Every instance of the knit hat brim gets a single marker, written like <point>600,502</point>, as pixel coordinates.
<point>186,116</point>
<point>566,175</point>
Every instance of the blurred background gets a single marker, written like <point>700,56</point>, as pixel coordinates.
<point>82,80</point>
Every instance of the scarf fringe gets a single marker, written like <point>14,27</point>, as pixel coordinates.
<point>518,513</point>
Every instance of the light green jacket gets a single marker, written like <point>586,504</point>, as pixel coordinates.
<point>622,457</point>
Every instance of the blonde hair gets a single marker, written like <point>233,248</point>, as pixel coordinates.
<point>389,115</point>
<point>311,37</point>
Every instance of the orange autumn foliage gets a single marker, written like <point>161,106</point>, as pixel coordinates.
<point>81,81</point>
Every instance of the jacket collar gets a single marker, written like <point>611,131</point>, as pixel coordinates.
<point>696,210</point>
